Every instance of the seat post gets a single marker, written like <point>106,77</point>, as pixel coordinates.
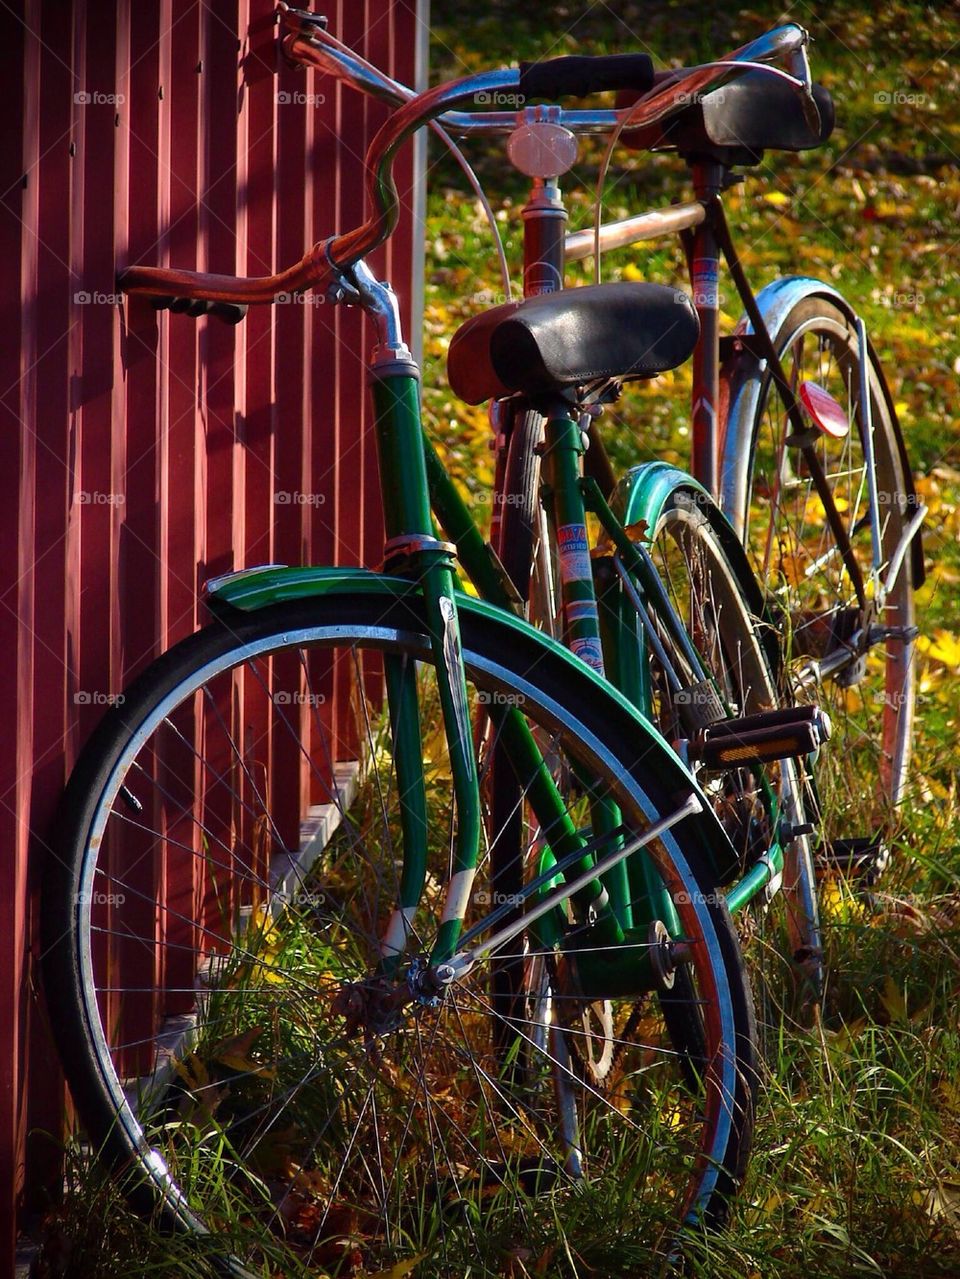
<point>544,232</point>
<point>704,273</point>
<point>543,150</point>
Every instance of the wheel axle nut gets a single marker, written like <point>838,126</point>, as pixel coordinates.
<point>662,954</point>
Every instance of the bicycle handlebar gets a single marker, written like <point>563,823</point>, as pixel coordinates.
<point>312,271</point>
<point>331,258</point>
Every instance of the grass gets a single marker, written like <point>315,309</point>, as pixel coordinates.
<point>856,1168</point>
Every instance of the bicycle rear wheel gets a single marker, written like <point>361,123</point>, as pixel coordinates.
<point>761,807</point>
<point>714,595</point>
<point>769,494</point>
<point>242,1054</point>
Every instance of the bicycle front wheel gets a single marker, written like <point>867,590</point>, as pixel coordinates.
<point>860,669</point>
<point>232,1034</point>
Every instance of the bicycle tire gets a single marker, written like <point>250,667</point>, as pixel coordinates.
<point>186,1166</point>
<point>714,592</point>
<point>864,775</point>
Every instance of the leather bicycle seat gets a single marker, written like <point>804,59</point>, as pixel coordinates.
<point>561,340</point>
<point>754,113</point>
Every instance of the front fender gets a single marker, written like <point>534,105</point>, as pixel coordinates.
<point>643,493</point>
<point>253,589</point>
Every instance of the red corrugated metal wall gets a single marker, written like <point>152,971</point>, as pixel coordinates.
<point>141,455</point>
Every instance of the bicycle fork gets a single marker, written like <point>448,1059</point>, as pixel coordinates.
<point>412,549</point>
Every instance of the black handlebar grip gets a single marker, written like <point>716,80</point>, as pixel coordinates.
<point>579,76</point>
<point>228,312</point>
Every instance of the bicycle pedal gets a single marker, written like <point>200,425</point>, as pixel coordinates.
<point>761,738</point>
<point>864,858</point>
<point>699,706</point>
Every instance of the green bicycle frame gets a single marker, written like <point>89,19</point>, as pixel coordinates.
<point>412,547</point>
<point>601,625</point>
<point>633,889</point>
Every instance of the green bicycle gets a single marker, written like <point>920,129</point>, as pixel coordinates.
<point>303,1057</point>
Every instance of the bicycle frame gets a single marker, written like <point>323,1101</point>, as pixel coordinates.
<point>707,241</point>
<point>597,630</point>
<point>595,871</point>
<point>336,267</point>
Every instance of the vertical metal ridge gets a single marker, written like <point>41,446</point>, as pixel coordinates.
<point>143,451</point>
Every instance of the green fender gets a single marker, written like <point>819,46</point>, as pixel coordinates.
<point>643,493</point>
<point>259,588</point>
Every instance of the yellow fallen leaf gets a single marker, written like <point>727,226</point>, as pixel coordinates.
<point>942,646</point>
<point>893,1001</point>
<point>400,1270</point>
<point>772,1203</point>
<point>776,198</point>
<point>838,902</point>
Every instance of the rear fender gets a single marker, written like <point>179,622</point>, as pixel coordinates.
<point>740,396</point>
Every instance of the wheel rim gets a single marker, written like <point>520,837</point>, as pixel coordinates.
<point>861,777</point>
<point>266,979</point>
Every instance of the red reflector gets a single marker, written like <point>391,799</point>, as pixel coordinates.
<point>824,411</point>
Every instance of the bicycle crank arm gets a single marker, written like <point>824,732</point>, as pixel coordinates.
<point>761,738</point>
<point>816,670</point>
